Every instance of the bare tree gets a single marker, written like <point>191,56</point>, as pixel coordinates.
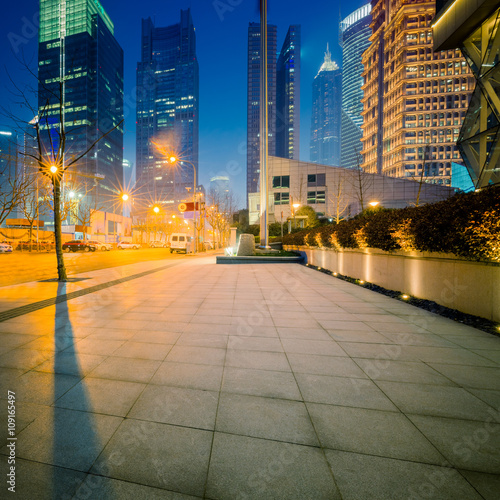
<point>219,213</point>
<point>337,196</point>
<point>49,149</point>
<point>361,182</point>
<point>85,206</point>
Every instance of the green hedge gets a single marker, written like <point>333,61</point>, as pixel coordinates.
<point>467,225</point>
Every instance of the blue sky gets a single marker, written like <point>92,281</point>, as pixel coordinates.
<point>221,35</point>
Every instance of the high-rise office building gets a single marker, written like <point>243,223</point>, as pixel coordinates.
<point>8,164</point>
<point>253,101</point>
<point>80,62</point>
<point>355,34</point>
<point>167,110</point>
<point>288,96</point>
<point>414,99</point>
<point>326,113</point>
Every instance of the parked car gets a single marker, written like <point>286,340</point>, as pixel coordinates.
<point>157,244</point>
<point>101,245</point>
<point>180,242</point>
<point>5,248</point>
<point>124,245</point>
<point>76,245</point>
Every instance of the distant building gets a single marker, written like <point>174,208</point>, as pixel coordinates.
<point>167,110</point>
<point>128,175</point>
<point>460,178</point>
<point>77,46</point>
<point>253,101</point>
<point>288,96</point>
<point>414,99</point>
<point>8,162</point>
<point>219,185</point>
<point>355,36</point>
<point>333,191</point>
<point>474,28</point>
<point>326,113</point>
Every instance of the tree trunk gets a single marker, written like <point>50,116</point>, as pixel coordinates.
<point>61,269</point>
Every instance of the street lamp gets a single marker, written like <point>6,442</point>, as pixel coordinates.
<point>295,206</point>
<point>172,159</point>
<point>53,169</point>
<point>373,203</point>
<point>125,196</point>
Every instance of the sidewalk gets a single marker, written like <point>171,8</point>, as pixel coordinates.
<point>244,382</point>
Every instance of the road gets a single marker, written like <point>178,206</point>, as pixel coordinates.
<point>20,267</point>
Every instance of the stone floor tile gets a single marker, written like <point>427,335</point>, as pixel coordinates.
<point>477,377</point>
<point>24,359</point>
<point>67,438</point>
<point>126,369</point>
<point>201,340</point>
<point>196,355</point>
<point>152,337</point>
<point>239,342</point>
<point>158,455</point>
<point>488,485</point>
<point>358,336</point>
<point>177,406</point>
<point>321,347</point>
<point>374,478</point>
<point>275,419</point>
<point>371,432</point>
<point>143,350</point>
<point>291,332</point>
<point>465,444</point>
<point>245,467</point>
<point>205,377</point>
<point>347,325</point>
<point>435,400</point>
<point>402,371</point>
<point>111,397</point>
<point>96,346</point>
<point>324,365</point>
<point>269,384</point>
<point>70,363</point>
<point>357,392</point>
<point>259,360</point>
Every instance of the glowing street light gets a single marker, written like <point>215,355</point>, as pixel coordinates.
<point>71,194</point>
<point>373,203</point>
<point>156,209</point>
<point>125,196</point>
<point>53,169</point>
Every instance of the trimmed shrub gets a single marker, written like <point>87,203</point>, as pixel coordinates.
<point>467,225</point>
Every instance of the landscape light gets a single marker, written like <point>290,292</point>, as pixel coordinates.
<point>405,297</point>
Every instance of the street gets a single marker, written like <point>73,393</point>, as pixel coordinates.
<point>20,267</point>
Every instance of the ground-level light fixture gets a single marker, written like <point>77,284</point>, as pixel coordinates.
<point>335,274</point>
<point>405,297</point>
<point>361,282</point>
<point>373,203</point>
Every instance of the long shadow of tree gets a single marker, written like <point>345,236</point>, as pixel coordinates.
<point>76,443</point>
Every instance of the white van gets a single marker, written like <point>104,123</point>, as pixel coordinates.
<point>180,242</point>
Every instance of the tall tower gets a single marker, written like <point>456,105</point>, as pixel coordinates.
<point>326,113</point>
<point>288,96</point>
<point>355,38</point>
<point>253,101</point>
<point>80,61</point>
<point>167,109</point>
<point>414,99</point>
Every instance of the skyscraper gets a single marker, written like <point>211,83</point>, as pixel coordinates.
<point>167,109</point>
<point>326,113</point>
<point>253,101</point>
<point>414,99</point>
<point>80,62</point>
<point>355,37</point>
<point>288,96</point>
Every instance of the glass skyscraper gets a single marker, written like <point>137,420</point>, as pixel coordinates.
<point>288,96</point>
<point>326,113</point>
<point>355,36</point>
<point>80,62</point>
<point>253,101</point>
<point>167,110</point>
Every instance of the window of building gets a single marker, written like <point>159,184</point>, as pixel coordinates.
<point>281,181</point>
<point>316,197</point>
<point>316,180</point>
<point>281,198</point>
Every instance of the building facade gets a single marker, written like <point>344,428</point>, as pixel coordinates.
<point>326,113</point>
<point>414,99</point>
<point>473,26</point>
<point>167,111</point>
<point>81,64</point>
<point>355,37</point>
<point>288,96</point>
<point>253,101</point>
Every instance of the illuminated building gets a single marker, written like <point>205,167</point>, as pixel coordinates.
<point>474,28</point>
<point>355,33</point>
<point>326,113</point>
<point>77,47</point>
<point>167,109</point>
<point>288,96</point>
<point>414,99</point>
<point>253,101</point>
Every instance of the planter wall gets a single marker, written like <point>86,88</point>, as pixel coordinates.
<point>470,287</point>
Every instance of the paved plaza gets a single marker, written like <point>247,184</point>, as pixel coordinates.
<point>186,379</point>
